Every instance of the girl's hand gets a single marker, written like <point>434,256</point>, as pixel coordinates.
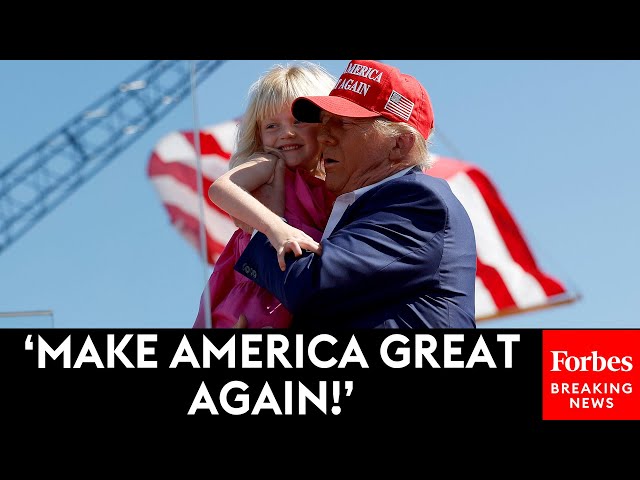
<point>285,238</point>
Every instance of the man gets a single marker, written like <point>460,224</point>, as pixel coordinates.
<point>399,248</point>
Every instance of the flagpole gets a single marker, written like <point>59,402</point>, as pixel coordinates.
<point>554,302</point>
<point>203,235</point>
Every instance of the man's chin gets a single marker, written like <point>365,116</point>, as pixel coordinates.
<point>333,187</point>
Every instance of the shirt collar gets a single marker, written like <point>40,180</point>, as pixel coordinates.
<point>351,197</point>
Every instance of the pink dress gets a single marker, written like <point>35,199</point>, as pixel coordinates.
<point>307,207</point>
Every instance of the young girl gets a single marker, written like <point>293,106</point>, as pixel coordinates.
<point>272,146</point>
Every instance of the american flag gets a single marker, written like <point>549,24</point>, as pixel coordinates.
<point>508,280</point>
<point>399,105</point>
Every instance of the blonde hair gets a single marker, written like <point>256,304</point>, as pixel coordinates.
<point>274,90</point>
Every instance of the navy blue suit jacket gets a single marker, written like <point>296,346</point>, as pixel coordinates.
<point>402,256</point>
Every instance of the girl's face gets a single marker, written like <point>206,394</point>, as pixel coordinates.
<point>296,140</point>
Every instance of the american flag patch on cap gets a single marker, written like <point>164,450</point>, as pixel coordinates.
<point>399,105</point>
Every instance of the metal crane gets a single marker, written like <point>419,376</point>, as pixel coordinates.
<point>40,179</point>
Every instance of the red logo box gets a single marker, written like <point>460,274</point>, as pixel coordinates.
<point>591,375</point>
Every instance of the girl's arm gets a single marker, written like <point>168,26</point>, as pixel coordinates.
<point>231,192</point>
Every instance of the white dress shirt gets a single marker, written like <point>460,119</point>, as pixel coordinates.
<point>347,199</point>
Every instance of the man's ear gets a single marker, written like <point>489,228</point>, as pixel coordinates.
<point>402,147</point>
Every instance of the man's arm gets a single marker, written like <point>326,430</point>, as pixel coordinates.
<point>387,249</point>
<point>231,193</point>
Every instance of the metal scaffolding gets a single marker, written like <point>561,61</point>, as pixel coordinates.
<point>40,179</point>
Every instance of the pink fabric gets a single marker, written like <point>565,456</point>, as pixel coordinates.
<point>307,207</point>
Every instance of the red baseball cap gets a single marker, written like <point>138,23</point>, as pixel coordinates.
<point>372,89</point>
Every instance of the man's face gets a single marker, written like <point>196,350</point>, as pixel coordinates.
<point>355,154</point>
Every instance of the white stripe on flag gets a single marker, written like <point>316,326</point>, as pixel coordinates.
<point>225,134</point>
<point>176,148</point>
<point>485,306</point>
<point>492,251</point>
<point>219,227</point>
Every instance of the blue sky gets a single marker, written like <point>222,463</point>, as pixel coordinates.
<point>557,137</point>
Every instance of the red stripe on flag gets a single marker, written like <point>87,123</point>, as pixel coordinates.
<point>494,283</point>
<point>510,232</point>
<point>189,227</point>
<point>183,174</point>
<point>208,144</point>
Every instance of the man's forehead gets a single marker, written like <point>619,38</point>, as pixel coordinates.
<point>324,115</point>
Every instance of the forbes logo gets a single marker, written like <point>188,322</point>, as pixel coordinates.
<point>250,272</point>
<point>592,363</point>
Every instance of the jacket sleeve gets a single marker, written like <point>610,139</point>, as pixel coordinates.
<point>388,244</point>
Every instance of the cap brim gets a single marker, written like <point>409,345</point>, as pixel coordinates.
<point>307,109</point>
